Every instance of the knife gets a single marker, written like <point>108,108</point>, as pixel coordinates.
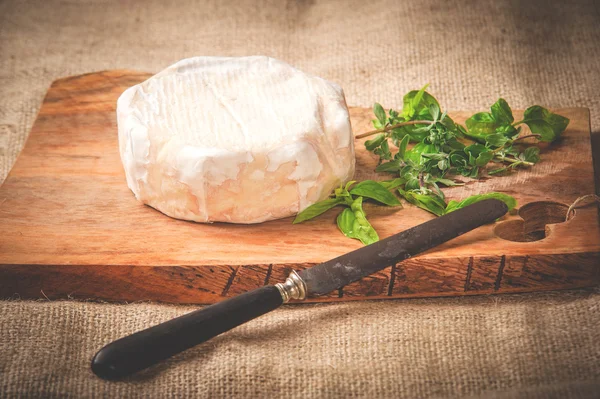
<point>145,348</point>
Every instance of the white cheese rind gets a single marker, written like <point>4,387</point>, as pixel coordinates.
<point>241,140</point>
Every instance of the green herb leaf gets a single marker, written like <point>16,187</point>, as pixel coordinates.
<point>318,208</point>
<point>391,166</point>
<point>345,222</point>
<point>496,140</point>
<point>430,203</point>
<point>412,102</point>
<point>474,151</point>
<point>497,171</point>
<point>434,111</point>
<point>458,158</point>
<point>414,154</point>
<point>417,105</point>
<point>392,184</point>
<point>379,113</point>
<point>500,120</point>
<point>414,132</point>
<point>483,158</point>
<point>508,130</point>
<point>545,123</point>
<point>348,184</point>
<point>383,150</point>
<point>531,154</point>
<point>435,156</point>
<point>480,125</point>
<point>502,113</point>
<point>361,228</point>
<point>370,145</point>
<point>341,192</point>
<point>511,202</point>
<point>377,125</point>
<point>402,147</point>
<point>376,191</point>
<point>447,182</point>
<point>412,184</point>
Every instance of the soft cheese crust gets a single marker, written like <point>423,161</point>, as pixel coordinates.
<point>241,140</point>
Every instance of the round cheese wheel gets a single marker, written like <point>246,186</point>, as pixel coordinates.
<point>240,140</point>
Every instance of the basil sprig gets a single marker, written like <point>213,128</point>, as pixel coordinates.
<point>352,221</point>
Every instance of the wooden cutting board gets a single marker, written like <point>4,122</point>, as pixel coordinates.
<point>70,227</point>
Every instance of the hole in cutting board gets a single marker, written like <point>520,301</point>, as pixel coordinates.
<point>532,226</point>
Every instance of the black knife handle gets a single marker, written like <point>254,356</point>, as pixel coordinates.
<point>148,347</point>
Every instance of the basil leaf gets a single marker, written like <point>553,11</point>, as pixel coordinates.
<point>377,125</point>
<point>343,191</point>
<point>391,166</point>
<point>345,222</point>
<point>402,147</point>
<point>511,202</point>
<point>392,184</point>
<point>361,228</point>
<point>474,172</point>
<point>452,204</point>
<point>502,112</point>
<point>430,203</point>
<point>449,123</point>
<point>458,158</point>
<point>414,154</point>
<point>413,184</point>
<point>483,158</point>
<point>379,113</point>
<point>480,125</point>
<point>414,132</point>
<point>453,145</point>
<point>370,145</point>
<point>545,123</point>
<point>475,149</point>
<point>499,120</point>
<point>496,140</point>
<point>447,182</point>
<point>434,110</point>
<point>399,133</point>
<point>383,151</point>
<point>317,208</point>
<point>508,130</point>
<point>531,154</point>
<point>411,101</point>
<point>376,191</point>
<point>460,130</point>
<point>417,105</point>
<point>434,156</point>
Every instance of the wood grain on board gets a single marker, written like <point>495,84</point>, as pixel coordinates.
<point>70,227</point>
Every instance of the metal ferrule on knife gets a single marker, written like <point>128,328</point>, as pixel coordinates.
<point>293,288</point>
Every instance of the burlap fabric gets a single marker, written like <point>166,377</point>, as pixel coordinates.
<point>472,52</point>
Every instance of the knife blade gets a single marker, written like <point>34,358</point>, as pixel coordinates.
<point>353,266</point>
<point>145,348</point>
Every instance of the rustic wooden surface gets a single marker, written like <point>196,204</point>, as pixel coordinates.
<point>70,227</point>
